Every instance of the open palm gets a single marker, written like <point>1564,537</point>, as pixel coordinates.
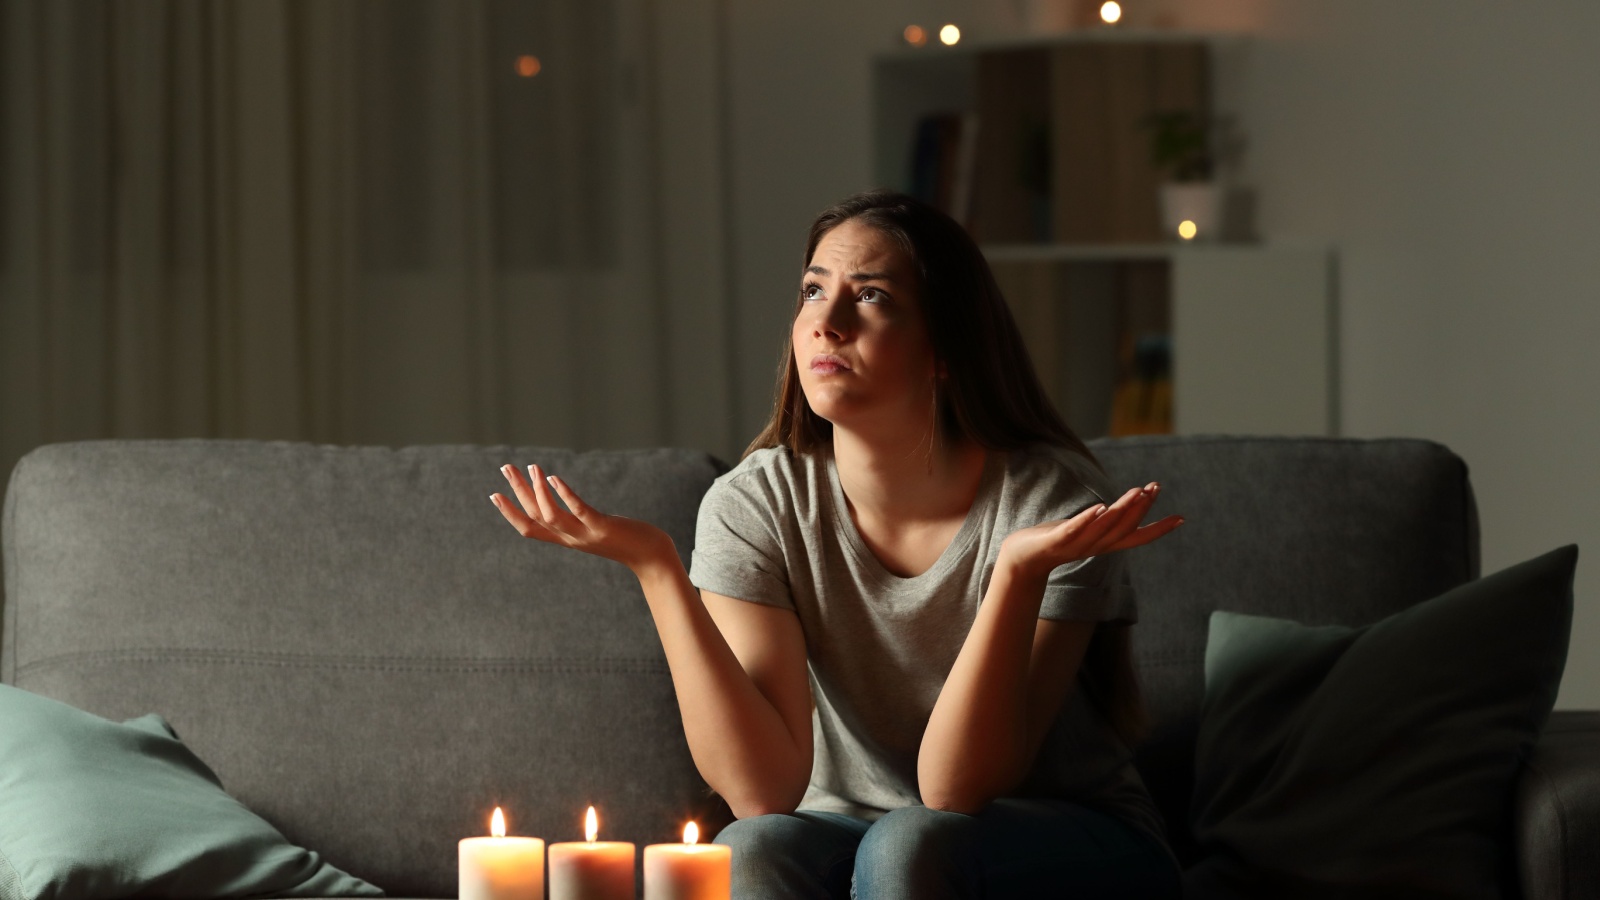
<point>580,526</point>
<point>1095,531</point>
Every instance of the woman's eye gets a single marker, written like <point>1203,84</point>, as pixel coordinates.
<point>872,295</point>
<point>811,292</point>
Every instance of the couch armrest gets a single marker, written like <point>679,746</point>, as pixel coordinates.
<point>1558,811</point>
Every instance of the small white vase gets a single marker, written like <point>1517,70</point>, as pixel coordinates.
<point>1196,202</point>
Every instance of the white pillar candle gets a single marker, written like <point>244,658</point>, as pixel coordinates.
<point>688,871</point>
<point>500,867</point>
<point>591,869</point>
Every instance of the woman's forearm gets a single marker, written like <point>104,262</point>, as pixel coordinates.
<point>977,744</point>
<point>738,740</point>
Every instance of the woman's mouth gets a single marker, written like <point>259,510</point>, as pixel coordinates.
<point>827,364</point>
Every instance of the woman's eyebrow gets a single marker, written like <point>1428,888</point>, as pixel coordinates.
<point>854,276</point>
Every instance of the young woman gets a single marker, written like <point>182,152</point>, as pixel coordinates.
<point>901,653</point>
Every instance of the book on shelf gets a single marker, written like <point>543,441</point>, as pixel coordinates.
<point>1141,403</point>
<point>944,155</point>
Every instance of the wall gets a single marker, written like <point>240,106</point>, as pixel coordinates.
<point>1446,147</point>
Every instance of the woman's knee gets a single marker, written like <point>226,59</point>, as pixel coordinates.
<point>918,830</point>
<point>790,855</point>
<point>759,833</point>
<point>914,848</point>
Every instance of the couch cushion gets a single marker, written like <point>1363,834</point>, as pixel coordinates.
<point>91,808</point>
<point>1377,761</point>
<point>355,640</point>
<point>1319,530</point>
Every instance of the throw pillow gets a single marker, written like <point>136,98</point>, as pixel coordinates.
<point>90,808</point>
<point>1377,761</point>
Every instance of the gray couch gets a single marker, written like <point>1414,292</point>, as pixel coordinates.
<point>370,659</point>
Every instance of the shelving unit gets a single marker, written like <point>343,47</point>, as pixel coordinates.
<point>1248,329</point>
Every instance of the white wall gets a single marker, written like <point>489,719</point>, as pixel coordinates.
<point>1449,148</point>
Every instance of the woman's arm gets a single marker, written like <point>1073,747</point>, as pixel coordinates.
<point>1014,671</point>
<point>738,668</point>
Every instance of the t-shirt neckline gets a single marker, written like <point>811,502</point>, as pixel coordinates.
<point>953,551</point>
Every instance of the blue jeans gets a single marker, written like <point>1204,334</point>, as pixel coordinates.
<point>1013,848</point>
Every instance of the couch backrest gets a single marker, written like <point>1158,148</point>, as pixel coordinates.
<point>372,659</point>
<point>354,639</point>
<point>1318,530</point>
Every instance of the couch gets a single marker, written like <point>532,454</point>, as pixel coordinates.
<point>372,660</point>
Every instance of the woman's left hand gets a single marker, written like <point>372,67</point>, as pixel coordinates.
<point>1095,531</point>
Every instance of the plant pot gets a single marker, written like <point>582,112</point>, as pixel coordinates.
<point>1197,202</point>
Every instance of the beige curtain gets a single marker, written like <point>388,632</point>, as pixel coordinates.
<point>348,221</point>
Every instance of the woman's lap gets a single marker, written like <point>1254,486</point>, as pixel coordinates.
<point>1013,848</point>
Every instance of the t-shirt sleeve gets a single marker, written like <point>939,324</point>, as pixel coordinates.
<point>737,551</point>
<point>1097,589</point>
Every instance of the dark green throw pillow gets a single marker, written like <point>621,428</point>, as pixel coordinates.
<point>1379,761</point>
<point>90,808</point>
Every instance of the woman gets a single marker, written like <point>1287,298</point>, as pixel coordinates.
<point>901,653</point>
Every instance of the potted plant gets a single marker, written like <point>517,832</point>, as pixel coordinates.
<point>1181,147</point>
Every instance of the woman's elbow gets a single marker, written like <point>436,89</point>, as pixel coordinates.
<point>750,811</point>
<point>966,790</point>
<point>966,802</point>
<point>767,800</point>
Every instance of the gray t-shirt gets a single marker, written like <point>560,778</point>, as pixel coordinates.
<point>775,530</point>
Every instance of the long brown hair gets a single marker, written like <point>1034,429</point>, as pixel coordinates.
<point>991,394</point>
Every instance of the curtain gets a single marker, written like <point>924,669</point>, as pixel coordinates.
<point>350,221</point>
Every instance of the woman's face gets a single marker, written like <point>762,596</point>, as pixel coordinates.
<point>860,341</point>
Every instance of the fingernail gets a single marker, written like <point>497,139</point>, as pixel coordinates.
<point>505,470</point>
<point>495,499</point>
<point>551,479</point>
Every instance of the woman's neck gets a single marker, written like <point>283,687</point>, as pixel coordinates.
<point>903,481</point>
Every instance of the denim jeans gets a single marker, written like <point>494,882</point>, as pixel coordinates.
<point>1013,848</point>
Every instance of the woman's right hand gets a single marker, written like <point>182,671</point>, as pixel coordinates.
<point>629,541</point>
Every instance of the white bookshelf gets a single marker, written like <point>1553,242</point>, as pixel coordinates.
<point>1252,327</point>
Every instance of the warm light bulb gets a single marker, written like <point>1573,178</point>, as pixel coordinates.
<point>1187,230</point>
<point>1111,12</point>
<point>691,833</point>
<point>915,35</point>
<point>497,823</point>
<point>528,66</point>
<point>948,35</point>
<point>591,825</point>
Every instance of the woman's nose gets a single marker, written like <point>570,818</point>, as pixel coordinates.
<point>832,321</point>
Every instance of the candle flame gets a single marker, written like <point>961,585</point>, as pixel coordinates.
<point>497,824</point>
<point>591,825</point>
<point>691,833</point>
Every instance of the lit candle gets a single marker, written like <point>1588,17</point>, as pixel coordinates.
<point>591,870</point>
<point>688,871</point>
<point>500,867</point>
